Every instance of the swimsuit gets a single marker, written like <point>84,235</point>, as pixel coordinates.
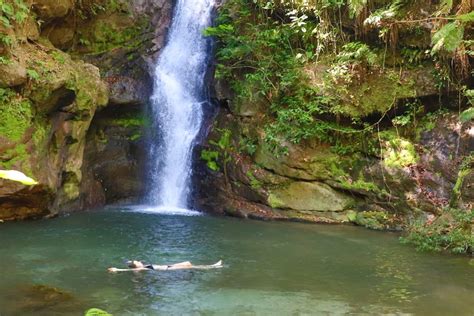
<point>157,267</point>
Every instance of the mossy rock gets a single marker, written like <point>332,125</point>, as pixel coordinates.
<point>397,152</point>
<point>376,220</point>
<point>309,196</point>
<point>375,91</point>
<point>376,94</point>
<point>302,162</point>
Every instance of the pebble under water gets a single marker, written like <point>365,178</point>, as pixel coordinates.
<point>58,267</point>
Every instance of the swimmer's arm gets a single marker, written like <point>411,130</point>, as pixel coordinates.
<point>125,270</point>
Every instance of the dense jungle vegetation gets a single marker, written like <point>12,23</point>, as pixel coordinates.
<point>268,46</point>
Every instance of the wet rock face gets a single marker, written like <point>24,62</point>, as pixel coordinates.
<point>114,157</point>
<point>127,91</point>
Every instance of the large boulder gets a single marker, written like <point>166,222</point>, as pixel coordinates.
<point>309,196</point>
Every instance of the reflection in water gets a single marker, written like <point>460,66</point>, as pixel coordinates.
<point>395,275</point>
<point>270,268</point>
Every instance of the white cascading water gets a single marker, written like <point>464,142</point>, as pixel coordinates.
<point>177,102</point>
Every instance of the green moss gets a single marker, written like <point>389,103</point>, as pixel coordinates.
<point>71,187</point>
<point>397,152</point>
<point>459,183</point>
<point>40,133</point>
<point>88,95</point>
<point>71,190</point>
<point>17,158</point>
<point>15,115</point>
<point>128,121</point>
<point>135,123</point>
<point>274,201</point>
<point>135,136</point>
<point>372,219</point>
<point>376,94</point>
<point>464,170</point>
<point>363,185</point>
<point>109,33</point>
<point>254,182</point>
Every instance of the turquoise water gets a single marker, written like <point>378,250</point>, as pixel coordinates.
<point>270,269</point>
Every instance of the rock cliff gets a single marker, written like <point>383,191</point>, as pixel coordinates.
<point>74,84</point>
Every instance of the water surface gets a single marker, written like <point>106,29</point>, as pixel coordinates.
<point>270,268</point>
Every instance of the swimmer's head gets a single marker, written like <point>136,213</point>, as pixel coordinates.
<point>134,264</point>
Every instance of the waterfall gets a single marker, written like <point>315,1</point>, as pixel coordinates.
<point>177,104</point>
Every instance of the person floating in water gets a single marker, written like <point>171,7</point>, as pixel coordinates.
<point>135,265</point>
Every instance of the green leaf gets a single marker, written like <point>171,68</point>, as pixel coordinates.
<point>210,157</point>
<point>466,18</point>
<point>7,9</point>
<point>212,165</point>
<point>445,7</point>
<point>96,312</point>
<point>469,94</point>
<point>5,21</point>
<point>32,74</point>
<point>467,115</point>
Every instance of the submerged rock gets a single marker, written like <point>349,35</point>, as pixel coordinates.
<point>45,300</point>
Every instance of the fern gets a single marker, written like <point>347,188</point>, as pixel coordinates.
<point>356,6</point>
<point>466,18</point>
<point>448,38</point>
<point>387,13</point>
<point>445,7</point>
<point>357,52</point>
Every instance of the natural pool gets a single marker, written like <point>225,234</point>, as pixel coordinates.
<point>270,269</point>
